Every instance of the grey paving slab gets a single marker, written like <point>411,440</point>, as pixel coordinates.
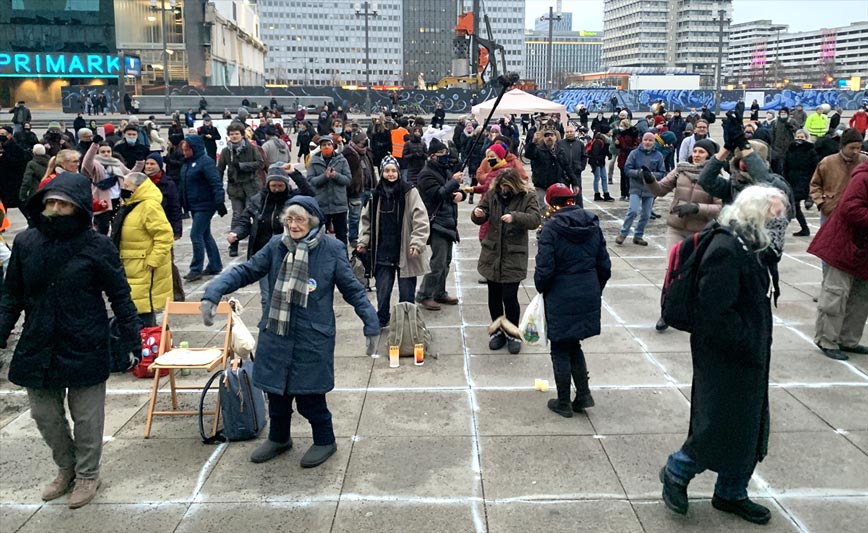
<point>503,413</point>
<point>547,467</point>
<point>262,517</point>
<point>352,372</point>
<point>345,408</point>
<point>131,518</point>
<point>605,516</point>
<point>12,407</point>
<point>824,463</point>
<point>809,366</point>
<point>168,427</point>
<point>501,369</point>
<point>235,479</point>
<point>26,467</point>
<point>637,411</point>
<point>635,305</point>
<point>789,414</point>
<point>355,516</point>
<point>615,339</point>
<point>828,403</point>
<point>413,467</point>
<point>445,371</point>
<point>701,517</point>
<point>13,517</point>
<point>413,414</point>
<point>655,342</point>
<point>838,515</point>
<point>678,365</point>
<point>623,369</point>
<point>859,438</point>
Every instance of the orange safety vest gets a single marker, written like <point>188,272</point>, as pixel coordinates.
<point>398,142</point>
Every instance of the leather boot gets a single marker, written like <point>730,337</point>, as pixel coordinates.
<point>561,405</point>
<point>579,369</point>
<point>607,197</point>
<point>233,249</point>
<point>597,197</point>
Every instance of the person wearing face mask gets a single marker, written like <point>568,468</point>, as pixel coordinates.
<point>731,351</point>
<point>859,120</point>
<point>144,239</point>
<point>817,124</point>
<point>115,170</point>
<point>330,175</point>
<point>59,275</point>
<point>441,192</point>
<point>295,347</point>
<point>210,135</point>
<point>511,210</point>
<point>549,163</point>
<point>395,231</point>
<point>677,126</point>
<point>783,134</point>
<point>171,203</point>
<point>240,161</point>
<point>380,139</point>
<point>800,162</point>
<point>129,149</point>
<point>156,143</point>
<point>13,160</point>
<point>202,195</point>
<point>577,158</point>
<point>597,159</point>
<point>413,155</point>
<point>754,111</point>
<point>626,140</point>
<point>101,180</point>
<point>598,121</point>
<point>700,131</point>
<point>769,121</point>
<point>643,164</point>
<point>25,138</point>
<point>363,181</point>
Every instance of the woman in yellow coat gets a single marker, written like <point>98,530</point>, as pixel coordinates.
<point>144,237</point>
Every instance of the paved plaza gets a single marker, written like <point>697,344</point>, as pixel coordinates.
<point>465,443</point>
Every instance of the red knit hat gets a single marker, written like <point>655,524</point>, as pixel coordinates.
<point>558,190</point>
<point>498,149</point>
<point>658,119</point>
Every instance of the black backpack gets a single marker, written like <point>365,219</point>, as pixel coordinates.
<point>681,283</point>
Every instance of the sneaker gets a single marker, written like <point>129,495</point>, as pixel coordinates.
<point>661,324</point>
<point>497,340</point>
<point>674,495</point>
<point>583,402</point>
<point>624,199</point>
<point>60,486</point>
<point>562,409</point>
<point>654,216</point>
<point>620,239</point>
<point>513,344</point>
<point>268,450</point>
<point>84,492</point>
<point>640,241</point>
<point>834,353</point>
<point>318,454</point>
<point>860,349</point>
<point>750,511</point>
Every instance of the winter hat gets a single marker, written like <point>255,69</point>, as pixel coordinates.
<point>558,190</point>
<point>688,128</point>
<point>708,145</point>
<point>158,159</point>
<point>38,149</point>
<point>435,146</point>
<point>389,160</point>
<point>359,138</point>
<point>498,149</point>
<point>57,195</point>
<point>275,173</point>
<point>494,127</point>
<point>108,128</point>
<point>658,119</point>
<point>850,135</point>
<point>54,125</point>
<point>130,127</point>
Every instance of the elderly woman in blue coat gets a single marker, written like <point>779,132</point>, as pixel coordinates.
<point>295,351</point>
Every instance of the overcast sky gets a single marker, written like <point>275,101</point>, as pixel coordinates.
<point>801,15</point>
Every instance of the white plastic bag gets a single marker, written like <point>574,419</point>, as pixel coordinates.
<point>533,322</point>
<point>243,342</point>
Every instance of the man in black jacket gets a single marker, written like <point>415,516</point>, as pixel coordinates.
<point>441,192</point>
<point>59,270</point>
<point>240,160</point>
<point>210,135</point>
<point>129,149</point>
<point>548,163</point>
<point>577,159</point>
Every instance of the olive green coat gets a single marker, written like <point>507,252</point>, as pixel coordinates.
<point>503,258</point>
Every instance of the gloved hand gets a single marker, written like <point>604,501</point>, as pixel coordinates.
<point>733,132</point>
<point>209,311</point>
<point>221,210</point>
<point>107,183</point>
<point>809,202</point>
<point>647,175</point>
<point>371,342</point>
<point>683,210</point>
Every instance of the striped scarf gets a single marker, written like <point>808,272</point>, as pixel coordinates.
<point>291,287</point>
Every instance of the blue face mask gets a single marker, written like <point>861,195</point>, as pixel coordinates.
<point>443,159</point>
<point>130,140</point>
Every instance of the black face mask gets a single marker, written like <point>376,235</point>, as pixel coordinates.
<point>61,227</point>
<point>126,194</point>
<point>278,197</point>
<point>492,161</point>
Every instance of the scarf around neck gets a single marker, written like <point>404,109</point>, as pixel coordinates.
<point>291,287</point>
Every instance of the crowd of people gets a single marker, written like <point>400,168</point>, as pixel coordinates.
<point>105,205</point>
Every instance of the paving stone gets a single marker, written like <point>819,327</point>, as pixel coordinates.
<point>809,366</point>
<point>413,467</point>
<point>503,413</point>
<point>701,517</point>
<point>13,516</point>
<point>26,466</point>
<point>563,517</point>
<point>345,408</point>
<point>12,407</point>
<point>445,371</point>
<point>789,414</point>
<point>547,467</point>
<point>637,411</point>
<point>131,518</point>
<point>235,479</point>
<point>679,365</point>
<point>839,515</point>
<point>170,427</point>
<point>352,372</point>
<point>355,516</point>
<point>828,402</point>
<point>623,369</point>
<point>859,438</point>
<point>655,342</point>
<point>405,414</point>
<point>501,369</point>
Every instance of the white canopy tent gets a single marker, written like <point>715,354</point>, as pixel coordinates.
<point>517,102</point>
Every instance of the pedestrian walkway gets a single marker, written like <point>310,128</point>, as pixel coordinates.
<point>465,443</point>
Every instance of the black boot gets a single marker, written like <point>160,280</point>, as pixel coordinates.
<point>561,406</point>
<point>607,197</point>
<point>579,369</point>
<point>233,249</point>
<point>470,199</point>
<point>597,197</point>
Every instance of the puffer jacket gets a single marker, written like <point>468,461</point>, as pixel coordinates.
<point>201,185</point>
<point>331,194</point>
<point>684,180</point>
<point>59,283</point>
<point>146,239</point>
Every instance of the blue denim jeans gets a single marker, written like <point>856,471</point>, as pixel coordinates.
<point>203,242</point>
<point>729,486</point>
<point>600,179</point>
<point>637,203</point>
<point>355,214</point>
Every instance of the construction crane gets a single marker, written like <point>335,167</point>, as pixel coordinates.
<point>472,54</point>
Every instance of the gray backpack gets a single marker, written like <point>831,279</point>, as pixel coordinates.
<point>407,328</point>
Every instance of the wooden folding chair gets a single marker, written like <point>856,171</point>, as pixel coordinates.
<point>219,360</point>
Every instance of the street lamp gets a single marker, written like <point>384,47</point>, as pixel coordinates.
<point>551,18</point>
<point>367,10</point>
<point>166,51</point>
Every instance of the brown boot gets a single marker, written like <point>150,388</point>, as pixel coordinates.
<point>60,486</point>
<point>84,492</point>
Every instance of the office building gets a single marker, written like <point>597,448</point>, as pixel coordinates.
<point>763,54</point>
<point>573,52</point>
<point>565,23</point>
<point>507,28</point>
<point>428,30</point>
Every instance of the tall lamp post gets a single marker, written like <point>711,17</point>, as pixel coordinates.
<point>367,10</point>
<point>165,51</point>
<point>551,18</point>
<point>719,81</point>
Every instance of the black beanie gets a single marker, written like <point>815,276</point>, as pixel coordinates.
<point>851,135</point>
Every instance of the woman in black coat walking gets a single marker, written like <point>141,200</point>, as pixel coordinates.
<point>800,161</point>
<point>572,268</point>
<point>731,350</point>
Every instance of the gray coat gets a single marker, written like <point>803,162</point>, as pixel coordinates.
<point>331,194</point>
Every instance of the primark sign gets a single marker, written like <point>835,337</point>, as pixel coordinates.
<point>47,65</point>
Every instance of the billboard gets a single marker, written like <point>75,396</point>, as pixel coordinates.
<point>55,5</point>
<point>49,65</point>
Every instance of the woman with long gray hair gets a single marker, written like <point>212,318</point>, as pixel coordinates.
<point>731,350</point>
